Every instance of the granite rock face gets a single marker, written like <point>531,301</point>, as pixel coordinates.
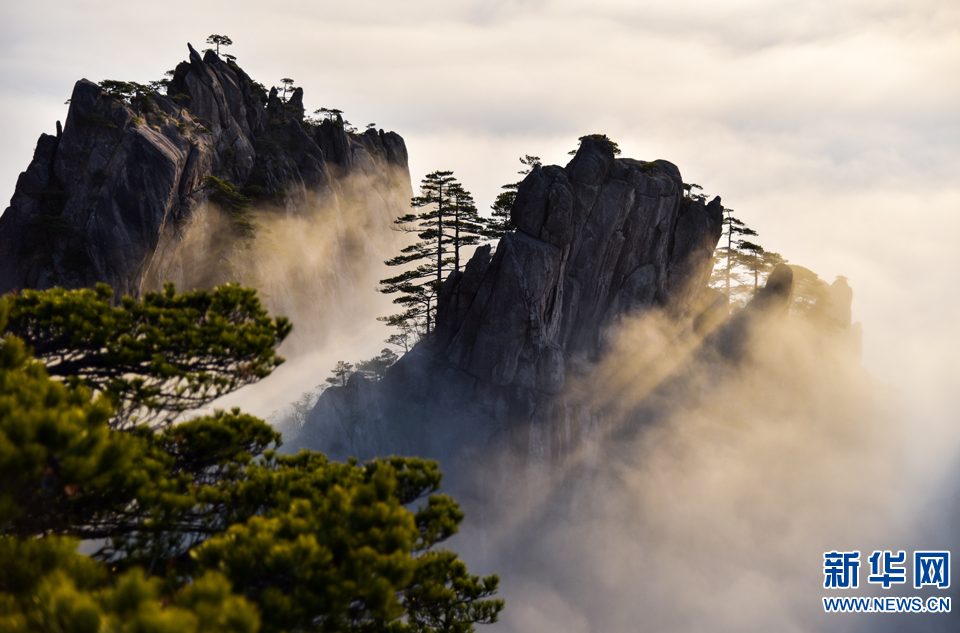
<point>126,173</point>
<point>597,240</point>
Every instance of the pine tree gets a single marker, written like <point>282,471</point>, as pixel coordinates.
<point>694,192</point>
<point>466,227</point>
<point>219,40</point>
<point>402,339</point>
<point>738,258</point>
<point>500,222</point>
<point>341,372</point>
<point>733,229</point>
<point>447,221</point>
<point>376,368</point>
<point>203,526</point>
<point>153,357</point>
<point>757,260</point>
<point>436,198</point>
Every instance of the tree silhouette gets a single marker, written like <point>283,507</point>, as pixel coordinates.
<point>694,192</point>
<point>733,229</point>
<point>447,221</point>
<point>341,372</point>
<point>742,262</point>
<point>330,114</point>
<point>219,40</point>
<point>402,339</point>
<point>757,260</point>
<point>500,222</point>
<point>375,368</point>
<point>602,138</point>
<point>467,228</point>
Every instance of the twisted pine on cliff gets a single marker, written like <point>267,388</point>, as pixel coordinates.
<point>446,223</point>
<point>741,254</point>
<point>200,526</point>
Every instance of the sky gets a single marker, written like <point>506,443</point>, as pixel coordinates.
<point>831,127</point>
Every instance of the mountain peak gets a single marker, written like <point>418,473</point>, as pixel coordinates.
<point>132,164</point>
<point>596,241</point>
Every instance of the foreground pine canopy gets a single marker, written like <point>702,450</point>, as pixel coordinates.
<point>198,525</point>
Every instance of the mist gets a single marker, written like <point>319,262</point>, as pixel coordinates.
<point>316,260</point>
<point>703,490</point>
<point>715,479</point>
<point>703,493</point>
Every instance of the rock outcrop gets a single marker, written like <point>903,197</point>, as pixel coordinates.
<point>129,168</point>
<point>597,240</point>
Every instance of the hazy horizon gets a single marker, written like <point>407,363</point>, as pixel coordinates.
<point>831,128</point>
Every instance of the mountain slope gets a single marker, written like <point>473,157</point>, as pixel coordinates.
<point>597,241</point>
<point>126,173</point>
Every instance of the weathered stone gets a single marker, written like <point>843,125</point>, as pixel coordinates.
<point>116,184</point>
<point>597,240</point>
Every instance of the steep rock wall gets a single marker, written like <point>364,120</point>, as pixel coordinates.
<point>124,175</point>
<point>597,240</point>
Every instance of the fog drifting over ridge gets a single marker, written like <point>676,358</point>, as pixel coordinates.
<point>831,127</point>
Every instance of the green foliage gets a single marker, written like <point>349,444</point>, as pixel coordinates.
<point>202,525</point>
<point>236,203</point>
<point>126,91</point>
<point>226,193</point>
<point>445,597</point>
<point>57,455</point>
<point>154,357</point>
<point>49,587</point>
<point>446,223</point>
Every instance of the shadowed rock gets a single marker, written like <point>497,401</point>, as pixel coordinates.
<point>597,240</point>
<point>99,199</point>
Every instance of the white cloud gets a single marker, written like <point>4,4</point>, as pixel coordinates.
<point>799,113</point>
<point>831,126</point>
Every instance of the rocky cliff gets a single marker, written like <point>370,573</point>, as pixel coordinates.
<point>129,168</point>
<point>596,241</point>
